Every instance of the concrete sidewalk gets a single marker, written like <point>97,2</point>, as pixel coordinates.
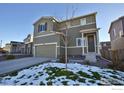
<point>18,64</point>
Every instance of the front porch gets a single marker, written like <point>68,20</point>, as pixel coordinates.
<point>87,46</point>
<point>90,41</point>
<point>90,44</point>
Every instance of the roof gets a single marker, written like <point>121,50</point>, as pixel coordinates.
<point>46,17</point>
<point>29,35</point>
<point>120,18</point>
<point>51,17</point>
<point>16,42</point>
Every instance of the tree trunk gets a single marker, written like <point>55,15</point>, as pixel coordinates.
<point>66,54</point>
<point>66,58</point>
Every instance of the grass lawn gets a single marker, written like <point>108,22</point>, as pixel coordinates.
<point>56,74</point>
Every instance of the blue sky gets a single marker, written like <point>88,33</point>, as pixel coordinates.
<point>16,19</point>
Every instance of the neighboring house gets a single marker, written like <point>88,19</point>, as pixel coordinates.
<point>105,49</point>
<point>7,47</point>
<point>26,48</point>
<point>83,36</point>
<point>13,47</point>
<point>105,45</point>
<point>116,32</point>
<point>2,51</point>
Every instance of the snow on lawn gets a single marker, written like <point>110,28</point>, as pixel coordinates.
<point>56,74</point>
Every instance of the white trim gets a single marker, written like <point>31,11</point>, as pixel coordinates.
<point>71,46</point>
<point>48,44</point>
<point>44,35</point>
<point>34,51</point>
<point>87,43</point>
<point>75,47</point>
<point>81,42</point>
<point>61,46</point>
<point>45,44</point>
<point>43,23</point>
<point>98,48</point>
<point>83,45</point>
<point>83,21</point>
<point>95,42</point>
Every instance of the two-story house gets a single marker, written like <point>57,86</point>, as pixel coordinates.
<point>116,32</point>
<point>26,48</point>
<point>82,34</point>
<point>13,47</point>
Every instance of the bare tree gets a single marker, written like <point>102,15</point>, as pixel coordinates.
<point>65,35</point>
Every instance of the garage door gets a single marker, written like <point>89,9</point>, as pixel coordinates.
<point>46,51</point>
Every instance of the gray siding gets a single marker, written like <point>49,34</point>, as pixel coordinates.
<point>74,51</point>
<point>50,27</point>
<point>47,39</point>
<point>74,33</point>
<point>118,27</point>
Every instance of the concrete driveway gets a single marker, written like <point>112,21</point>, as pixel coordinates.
<point>18,64</point>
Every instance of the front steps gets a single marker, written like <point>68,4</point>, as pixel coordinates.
<point>91,56</point>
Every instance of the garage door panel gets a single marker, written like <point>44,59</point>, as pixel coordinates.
<point>45,51</point>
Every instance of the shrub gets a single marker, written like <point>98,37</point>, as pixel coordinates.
<point>84,74</point>
<point>24,83</point>
<point>81,80</point>
<point>64,82</point>
<point>92,81</point>
<point>86,62</point>
<point>72,77</point>
<point>41,83</point>
<point>50,78</point>
<point>49,83</point>
<point>62,59</point>
<point>13,73</point>
<point>96,75</point>
<point>21,76</point>
<point>63,72</point>
<point>116,66</point>
<point>8,57</point>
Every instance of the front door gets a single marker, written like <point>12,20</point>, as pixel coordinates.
<point>91,45</point>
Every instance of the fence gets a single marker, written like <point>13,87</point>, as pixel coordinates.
<point>105,53</point>
<point>113,55</point>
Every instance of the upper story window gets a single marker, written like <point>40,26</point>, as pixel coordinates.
<point>121,33</point>
<point>114,32</point>
<point>42,27</point>
<point>83,21</point>
<point>79,41</point>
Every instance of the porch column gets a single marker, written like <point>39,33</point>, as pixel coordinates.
<point>34,51</point>
<point>83,44</point>
<point>97,34</point>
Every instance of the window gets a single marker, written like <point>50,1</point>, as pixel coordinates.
<point>83,21</point>
<point>120,33</point>
<point>90,19</point>
<point>114,32</point>
<point>42,27</point>
<point>79,41</point>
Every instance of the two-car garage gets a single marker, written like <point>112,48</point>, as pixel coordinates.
<point>46,50</point>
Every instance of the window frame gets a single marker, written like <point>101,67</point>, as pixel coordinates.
<point>114,32</point>
<point>77,40</point>
<point>42,27</point>
<point>83,21</point>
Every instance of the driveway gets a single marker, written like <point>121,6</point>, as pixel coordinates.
<point>18,64</point>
